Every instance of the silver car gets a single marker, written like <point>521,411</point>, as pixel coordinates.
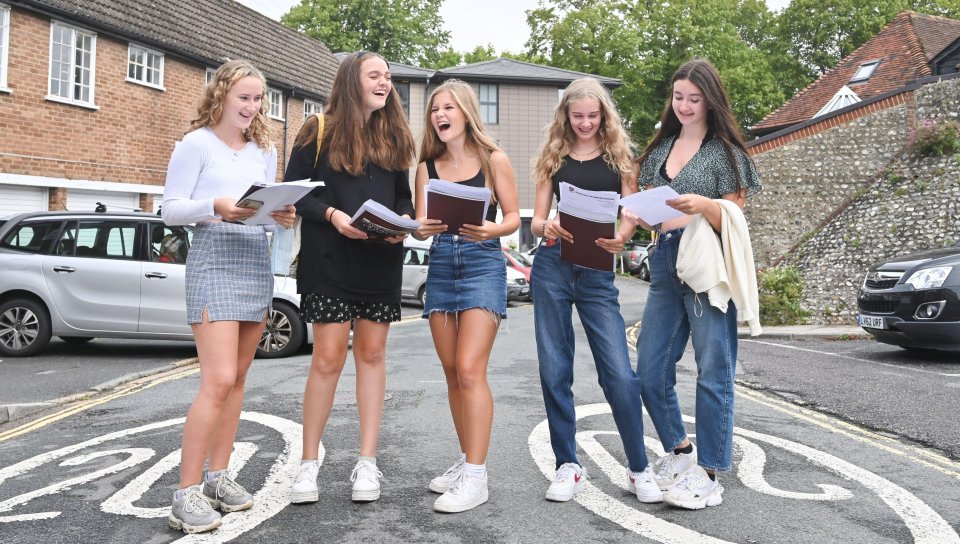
<point>83,275</point>
<point>416,258</point>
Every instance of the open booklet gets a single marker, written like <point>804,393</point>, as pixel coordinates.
<point>379,221</point>
<point>650,205</point>
<point>270,197</point>
<point>456,204</point>
<point>587,215</point>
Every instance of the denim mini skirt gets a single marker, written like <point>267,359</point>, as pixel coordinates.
<point>228,273</point>
<point>465,275</point>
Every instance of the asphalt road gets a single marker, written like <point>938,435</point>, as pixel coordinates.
<point>818,457</point>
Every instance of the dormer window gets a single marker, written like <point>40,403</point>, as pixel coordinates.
<point>843,98</point>
<point>865,71</point>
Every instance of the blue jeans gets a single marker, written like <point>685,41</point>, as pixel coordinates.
<point>558,285</point>
<point>673,314</point>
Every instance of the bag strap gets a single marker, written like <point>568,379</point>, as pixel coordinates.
<point>320,127</point>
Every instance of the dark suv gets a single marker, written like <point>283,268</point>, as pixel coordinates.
<point>914,301</point>
<point>82,275</point>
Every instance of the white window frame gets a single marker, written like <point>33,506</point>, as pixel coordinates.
<point>865,71</point>
<point>208,76</point>
<point>72,82</point>
<point>145,66</point>
<point>311,107</point>
<point>276,104</point>
<point>4,45</point>
<point>404,96</point>
<point>486,104</point>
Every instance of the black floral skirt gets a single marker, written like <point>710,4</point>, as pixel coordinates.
<point>317,308</point>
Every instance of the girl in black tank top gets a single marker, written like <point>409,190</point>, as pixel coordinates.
<point>466,289</point>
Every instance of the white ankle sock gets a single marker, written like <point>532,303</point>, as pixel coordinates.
<point>477,471</point>
<point>369,459</point>
<point>212,475</point>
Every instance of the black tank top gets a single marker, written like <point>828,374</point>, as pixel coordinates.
<point>475,181</point>
<point>593,175</point>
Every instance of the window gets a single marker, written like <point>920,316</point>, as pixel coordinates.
<point>276,104</point>
<point>169,244</point>
<point>144,66</point>
<point>208,76</point>
<point>4,44</point>
<point>865,71</point>
<point>310,107</point>
<point>844,97</point>
<point>72,64</point>
<point>489,108</point>
<point>403,89</point>
<point>104,239</point>
<point>32,236</point>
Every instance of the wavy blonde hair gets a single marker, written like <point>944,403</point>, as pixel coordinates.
<point>210,109</point>
<point>478,140</point>
<point>614,141</point>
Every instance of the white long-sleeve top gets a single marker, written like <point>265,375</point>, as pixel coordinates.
<point>203,168</point>
<point>722,265</point>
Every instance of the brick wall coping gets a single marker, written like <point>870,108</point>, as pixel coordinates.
<point>41,181</point>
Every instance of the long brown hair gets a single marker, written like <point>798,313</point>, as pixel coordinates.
<point>477,138</point>
<point>614,141</point>
<point>384,139</point>
<point>720,119</point>
<point>210,109</point>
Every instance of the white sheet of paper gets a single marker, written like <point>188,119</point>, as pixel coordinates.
<point>274,196</point>
<point>650,205</point>
<point>600,205</point>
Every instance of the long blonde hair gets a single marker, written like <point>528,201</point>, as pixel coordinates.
<point>348,140</point>
<point>210,109</point>
<point>614,141</point>
<point>477,138</point>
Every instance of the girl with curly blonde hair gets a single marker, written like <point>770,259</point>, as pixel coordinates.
<point>586,147</point>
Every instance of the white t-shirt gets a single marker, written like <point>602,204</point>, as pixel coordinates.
<point>203,168</point>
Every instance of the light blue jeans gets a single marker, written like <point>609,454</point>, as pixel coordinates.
<point>673,314</point>
<point>557,286</point>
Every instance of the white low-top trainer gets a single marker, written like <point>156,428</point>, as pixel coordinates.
<point>304,488</point>
<point>441,483</point>
<point>366,481</point>
<point>571,479</point>
<point>644,484</point>
<point>464,493</point>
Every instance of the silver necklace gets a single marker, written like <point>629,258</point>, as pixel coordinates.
<point>588,153</point>
<point>236,152</point>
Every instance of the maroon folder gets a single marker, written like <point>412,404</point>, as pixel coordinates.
<point>453,211</point>
<point>584,251</point>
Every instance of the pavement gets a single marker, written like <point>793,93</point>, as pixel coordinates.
<point>633,292</point>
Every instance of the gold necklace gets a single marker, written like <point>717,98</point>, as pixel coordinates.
<point>591,152</point>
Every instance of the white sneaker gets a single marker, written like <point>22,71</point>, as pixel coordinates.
<point>671,467</point>
<point>464,493</point>
<point>571,479</point>
<point>695,490</point>
<point>366,481</point>
<point>644,484</point>
<point>304,487</point>
<point>441,483</point>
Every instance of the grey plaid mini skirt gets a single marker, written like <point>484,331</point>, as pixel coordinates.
<point>228,273</point>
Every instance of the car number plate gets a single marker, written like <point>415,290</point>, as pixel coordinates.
<point>872,322</point>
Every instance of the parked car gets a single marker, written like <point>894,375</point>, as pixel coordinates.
<point>914,301</point>
<point>518,261</point>
<point>416,258</point>
<point>517,286</point>
<point>83,275</point>
<point>634,256</point>
<point>643,272</point>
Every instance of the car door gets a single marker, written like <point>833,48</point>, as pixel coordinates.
<point>414,270</point>
<point>93,277</point>
<point>163,306</point>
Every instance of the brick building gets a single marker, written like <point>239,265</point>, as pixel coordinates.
<point>94,93</point>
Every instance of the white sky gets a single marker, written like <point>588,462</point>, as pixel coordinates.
<point>502,23</point>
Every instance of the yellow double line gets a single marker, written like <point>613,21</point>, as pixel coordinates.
<point>133,387</point>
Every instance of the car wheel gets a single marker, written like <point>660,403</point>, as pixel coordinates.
<point>24,327</point>
<point>284,333</point>
<point>76,339</point>
<point>644,272</point>
<point>422,295</point>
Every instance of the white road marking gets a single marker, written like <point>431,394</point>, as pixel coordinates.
<point>868,361</point>
<point>926,526</point>
<point>270,499</point>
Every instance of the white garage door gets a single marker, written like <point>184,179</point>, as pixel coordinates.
<point>79,200</point>
<point>22,198</point>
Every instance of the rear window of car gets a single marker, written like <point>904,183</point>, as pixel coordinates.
<point>32,236</point>
<point>104,239</point>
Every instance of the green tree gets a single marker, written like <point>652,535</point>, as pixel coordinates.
<point>643,42</point>
<point>818,33</point>
<point>445,59</point>
<point>407,31</point>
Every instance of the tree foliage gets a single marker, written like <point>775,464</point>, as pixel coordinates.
<point>407,31</point>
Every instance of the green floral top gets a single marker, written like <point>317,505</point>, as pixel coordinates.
<point>708,173</point>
